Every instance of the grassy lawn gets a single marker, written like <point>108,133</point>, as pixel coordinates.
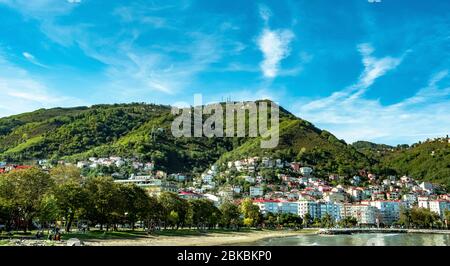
<point>4,242</point>
<point>19,235</point>
<point>97,234</point>
<point>139,233</point>
<point>129,234</point>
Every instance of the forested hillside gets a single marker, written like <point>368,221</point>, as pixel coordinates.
<point>143,131</point>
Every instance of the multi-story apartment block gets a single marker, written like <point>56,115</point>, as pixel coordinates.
<point>365,214</point>
<point>310,207</point>
<point>438,206</point>
<point>267,206</point>
<point>330,208</point>
<point>389,210</point>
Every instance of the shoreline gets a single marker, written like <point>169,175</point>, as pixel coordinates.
<point>227,238</point>
<point>350,231</point>
<point>209,239</point>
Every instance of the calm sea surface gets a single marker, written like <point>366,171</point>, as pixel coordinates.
<point>360,240</point>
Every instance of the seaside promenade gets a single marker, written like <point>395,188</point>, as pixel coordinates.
<point>346,231</point>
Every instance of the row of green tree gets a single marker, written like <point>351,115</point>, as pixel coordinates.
<point>422,218</point>
<point>33,198</point>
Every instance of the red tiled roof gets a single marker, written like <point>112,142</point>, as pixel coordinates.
<point>22,167</point>
<point>265,200</point>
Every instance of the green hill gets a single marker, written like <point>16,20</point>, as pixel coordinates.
<point>429,160</point>
<point>302,141</point>
<point>143,131</point>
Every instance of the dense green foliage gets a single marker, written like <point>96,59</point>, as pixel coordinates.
<point>31,198</point>
<point>428,161</point>
<point>366,145</point>
<point>301,141</point>
<point>419,218</point>
<point>282,220</point>
<point>348,222</point>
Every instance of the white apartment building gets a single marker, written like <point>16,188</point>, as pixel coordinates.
<point>365,214</point>
<point>301,208</point>
<point>389,210</point>
<point>330,208</point>
<point>207,178</point>
<point>311,207</point>
<point>256,191</point>
<point>409,199</point>
<point>437,206</point>
<point>306,171</point>
<point>288,207</point>
<point>276,206</point>
<point>427,187</point>
<point>334,197</point>
<point>267,206</point>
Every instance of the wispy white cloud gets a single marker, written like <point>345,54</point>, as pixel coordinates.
<point>152,71</point>
<point>47,12</point>
<point>265,13</point>
<point>274,45</point>
<point>131,69</point>
<point>32,59</point>
<point>374,67</point>
<point>143,15</point>
<point>351,116</point>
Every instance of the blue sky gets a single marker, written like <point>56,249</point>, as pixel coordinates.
<point>364,69</point>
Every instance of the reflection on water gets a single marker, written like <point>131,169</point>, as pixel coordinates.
<point>360,240</point>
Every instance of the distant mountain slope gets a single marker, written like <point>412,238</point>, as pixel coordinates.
<point>60,132</point>
<point>428,161</point>
<point>143,131</point>
<point>8,124</point>
<point>366,145</point>
<point>302,141</point>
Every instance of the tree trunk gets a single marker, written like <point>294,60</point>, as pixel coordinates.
<point>25,228</point>
<point>69,222</point>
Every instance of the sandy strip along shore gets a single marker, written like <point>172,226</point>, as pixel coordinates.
<point>212,239</point>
